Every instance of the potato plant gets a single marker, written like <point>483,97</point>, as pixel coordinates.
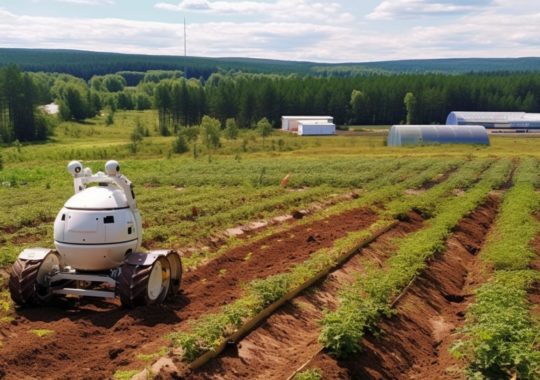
<point>371,295</point>
<point>500,336</point>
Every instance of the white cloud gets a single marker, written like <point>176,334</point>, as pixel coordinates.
<point>88,2</point>
<point>278,10</point>
<point>394,9</point>
<point>490,32</point>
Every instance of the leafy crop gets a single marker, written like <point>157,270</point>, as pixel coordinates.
<point>209,331</point>
<point>309,374</point>
<point>370,296</point>
<point>500,337</point>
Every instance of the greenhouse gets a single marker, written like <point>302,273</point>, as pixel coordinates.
<point>437,134</point>
<point>510,120</point>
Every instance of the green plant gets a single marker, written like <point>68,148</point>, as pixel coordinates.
<point>136,137</point>
<point>109,118</point>
<point>371,294</point>
<point>180,145</point>
<point>500,338</point>
<point>309,374</point>
<point>125,375</point>
<point>210,133</point>
<point>264,128</point>
<point>231,129</point>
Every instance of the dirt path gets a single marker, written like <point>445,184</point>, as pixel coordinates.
<point>289,337</point>
<point>414,343</point>
<point>92,340</point>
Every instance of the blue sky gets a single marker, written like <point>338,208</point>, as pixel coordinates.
<point>326,31</point>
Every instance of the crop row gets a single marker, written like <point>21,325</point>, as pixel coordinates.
<point>52,190</point>
<point>428,204</point>
<point>500,338</point>
<point>370,296</point>
<point>382,189</point>
<point>209,331</point>
<point>180,217</point>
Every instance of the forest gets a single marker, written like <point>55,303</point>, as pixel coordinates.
<point>247,98</point>
<point>85,64</point>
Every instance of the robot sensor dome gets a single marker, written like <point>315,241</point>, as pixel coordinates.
<point>75,168</point>
<point>112,168</point>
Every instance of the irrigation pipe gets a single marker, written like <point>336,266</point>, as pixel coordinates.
<point>254,322</point>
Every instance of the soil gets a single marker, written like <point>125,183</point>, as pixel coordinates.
<point>289,337</point>
<point>245,231</point>
<point>414,343</point>
<point>92,339</point>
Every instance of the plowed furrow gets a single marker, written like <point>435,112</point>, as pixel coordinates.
<point>289,337</point>
<point>414,343</point>
<point>93,339</point>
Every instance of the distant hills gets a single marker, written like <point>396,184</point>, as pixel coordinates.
<point>85,64</point>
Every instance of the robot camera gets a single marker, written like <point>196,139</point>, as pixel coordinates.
<point>112,168</point>
<point>75,168</point>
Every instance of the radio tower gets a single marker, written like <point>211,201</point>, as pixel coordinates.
<point>185,50</point>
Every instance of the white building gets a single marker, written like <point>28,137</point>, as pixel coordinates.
<point>310,128</point>
<point>309,125</point>
<point>290,123</point>
<point>511,120</point>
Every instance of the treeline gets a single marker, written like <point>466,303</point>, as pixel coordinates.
<point>361,100</point>
<point>86,64</point>
<point>248,98</point>
<point>20,94</point>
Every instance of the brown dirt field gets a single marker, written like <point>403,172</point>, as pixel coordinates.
<point>289,337</point>
<point>93,339</point>
<point>414,343</point>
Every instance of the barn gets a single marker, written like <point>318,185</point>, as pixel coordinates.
<point>401,135</point>
<point>496,120</point>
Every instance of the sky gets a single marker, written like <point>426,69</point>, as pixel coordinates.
<point>300,30</point>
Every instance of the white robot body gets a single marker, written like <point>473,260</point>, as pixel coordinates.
<point>98,226</point>
<point>98,236</point>
<point>97,229</point>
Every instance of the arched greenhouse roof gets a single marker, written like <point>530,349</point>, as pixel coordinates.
<point>515,120</point>
<point>437,134</point>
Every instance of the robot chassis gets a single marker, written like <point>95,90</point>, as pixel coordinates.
<point>98,237</point>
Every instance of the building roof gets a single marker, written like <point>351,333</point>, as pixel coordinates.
<point>307,117</point>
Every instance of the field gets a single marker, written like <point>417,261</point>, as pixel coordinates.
<point>372,262</point>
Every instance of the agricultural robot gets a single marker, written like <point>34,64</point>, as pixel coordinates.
<point>98,236</point>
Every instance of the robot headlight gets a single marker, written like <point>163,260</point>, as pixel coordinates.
<point>112,168</point>
<point>75,168</point>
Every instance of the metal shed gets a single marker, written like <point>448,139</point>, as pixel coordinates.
<point>307,128</point>
<point>290,123</point>
<point>437,134</point>
<point>509,120</point>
